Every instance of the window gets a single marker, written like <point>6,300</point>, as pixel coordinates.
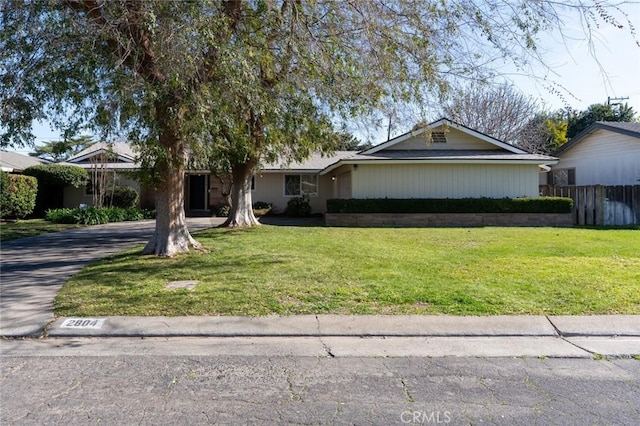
<point>297,185</point>
<point>438,137</point>
<point>563,177</point>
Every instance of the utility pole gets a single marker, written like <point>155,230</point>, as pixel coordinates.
<point>609,99</point>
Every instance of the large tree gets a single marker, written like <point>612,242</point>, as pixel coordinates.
<point>498,111</point>
<point>61,150</point>
<point>578,121</point>
<point>245,81</point>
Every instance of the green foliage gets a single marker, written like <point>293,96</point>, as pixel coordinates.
<point>451,205</point>
<point>298,207</point>
<point>556,130</point>
<point>58,175</point>
<point>17,195</point>
<point>122,196</point>
<point>63,149</point>
<point>222,210</point>
<point>91,216</point>
<point>95,216</point>
<point>599,112</point>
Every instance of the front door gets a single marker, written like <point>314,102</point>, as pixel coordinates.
<point>197,192</point>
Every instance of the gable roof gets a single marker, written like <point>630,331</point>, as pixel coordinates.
<point>444,122</point>
<point>123,151</point>
<point>623,128</point>
<point>15,162</point>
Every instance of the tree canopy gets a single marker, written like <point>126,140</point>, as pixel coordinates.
<point>62,150</point>
<point>579,121</point>
<point>244,82</point>
<point>499,111</point>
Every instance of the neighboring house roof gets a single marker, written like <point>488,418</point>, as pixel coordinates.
<point>14,162</point>
<point>628,129</point>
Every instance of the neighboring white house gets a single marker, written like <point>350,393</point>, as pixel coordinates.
<point>605,153</point>
<point>443,160</point>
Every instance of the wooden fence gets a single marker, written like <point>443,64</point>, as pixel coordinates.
<point>600,205</point>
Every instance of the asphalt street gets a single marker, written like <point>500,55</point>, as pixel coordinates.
<point>84,384</point>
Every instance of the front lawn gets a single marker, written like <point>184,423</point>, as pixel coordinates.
<point>298,270</point>
<point>29,228</point>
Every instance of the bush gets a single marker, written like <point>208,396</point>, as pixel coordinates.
<point>298,207</point>
<point>122,196</point>
<point>261,208</point>
<point>60,215</point>
<point>95,216</point>
<point>58,175</point>
<point>451,205</point>
<point>222,210</point>
<point>52,179</point>
<point>91,216</point>
<point>17,195</point>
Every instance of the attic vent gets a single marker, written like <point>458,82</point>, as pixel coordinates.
<point>438,137</point>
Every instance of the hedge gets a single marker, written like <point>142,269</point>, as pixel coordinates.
<point>17,195</point>
<point>58,175</point>
<point>452,205</point>
<point>121,196</point>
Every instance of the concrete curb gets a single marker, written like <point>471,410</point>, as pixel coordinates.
<point>347,326</point>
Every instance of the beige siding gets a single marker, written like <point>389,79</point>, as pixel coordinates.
<point>455,140</point>
<point>445,181</point>
<point>604,158</point>
<point>269,187</point>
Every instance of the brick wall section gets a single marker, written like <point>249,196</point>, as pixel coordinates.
<point>447,219</point>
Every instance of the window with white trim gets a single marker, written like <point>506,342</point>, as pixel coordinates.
<point>297,185</point>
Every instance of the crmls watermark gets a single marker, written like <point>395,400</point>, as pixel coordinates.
<point>425,417</point>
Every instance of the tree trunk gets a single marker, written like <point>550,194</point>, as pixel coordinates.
<point>171,235</point>
<point>241,214</point>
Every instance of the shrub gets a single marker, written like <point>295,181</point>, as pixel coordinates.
<point>121,196</point>
<point>222,210</point>
<point>451,205</point>
<point>95,216</point>
<point>52,179</point>
<point>60,215</point>
<point>298,207</point>
<point>17,196</point>
<point>91,216</point>
<point>261,208</point>
<point>58,175</point>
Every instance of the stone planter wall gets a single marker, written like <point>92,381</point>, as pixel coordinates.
<point>447,219</point>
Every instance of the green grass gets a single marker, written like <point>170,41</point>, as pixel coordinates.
<point>296,270</point>
<point>29,228</point>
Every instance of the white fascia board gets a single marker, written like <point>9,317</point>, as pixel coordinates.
<point>436,161</point>
<point>120,157</point>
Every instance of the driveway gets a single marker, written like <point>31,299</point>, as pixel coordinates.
<point>34,269</point>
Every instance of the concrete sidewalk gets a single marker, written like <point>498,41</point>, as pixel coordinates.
<point>379,335</point>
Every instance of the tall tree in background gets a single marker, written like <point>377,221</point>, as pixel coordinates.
<point>500,112</point>
<point>62,150</point>
<point>543,133</point>
<point>247,81</point>
<point>598,112</point>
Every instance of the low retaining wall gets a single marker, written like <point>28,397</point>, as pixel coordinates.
<point>447,219</point>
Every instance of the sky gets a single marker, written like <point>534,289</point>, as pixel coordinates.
<point>585,73</point>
